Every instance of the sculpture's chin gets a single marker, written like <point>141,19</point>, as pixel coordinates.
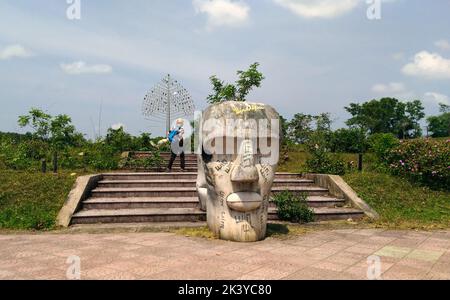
<point>244,201</point>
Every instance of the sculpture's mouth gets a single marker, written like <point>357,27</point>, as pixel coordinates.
<point>244,201</point>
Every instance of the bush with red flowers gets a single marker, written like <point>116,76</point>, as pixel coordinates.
<point>422,160</point>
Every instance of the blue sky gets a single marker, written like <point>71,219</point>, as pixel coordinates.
<point>317,55</point>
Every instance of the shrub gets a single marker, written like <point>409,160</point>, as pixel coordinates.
<point>152,161</point>
<point>293,208</point>
<point>15,156</point>
<point>351,140</point>
<point>422,160</point>
<point>101,156</point>
<point>325,164</point>
<point>320,160</point>
<point>382,143</point>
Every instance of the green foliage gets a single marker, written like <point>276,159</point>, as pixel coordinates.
<point>284,125</point>
<point>239,91</point>
<point>401,203</point>
<point>302,126</point>
<point>21,154</point>
<point>325,164</point>
<point>381,144</point>
<point>32,200</point>
<point>440,125</point>
<point>58,130</point>
<point>350,140</point>
<point>293,208</point>
<point>320,160</point>
<point>119,140</point>
<point>15,137</point>
<point>57,134</point>
<point>388,115</point>
<point>152,161</point>
<point>422,160</point>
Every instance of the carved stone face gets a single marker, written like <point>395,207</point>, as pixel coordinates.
<point>237,168</point>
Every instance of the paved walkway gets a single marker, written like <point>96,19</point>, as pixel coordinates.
<point>338,254</point>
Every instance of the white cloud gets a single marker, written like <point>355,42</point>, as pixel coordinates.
<point>437,98</point>
<point>80,67</point>
<point>117,126</point>
<point>223,12</point>
<point>428,65</point>
<point>443,44</point>
<point>14,51</point>
<point>390,88</point>
<point>394,89</point>
<point>318,8</point>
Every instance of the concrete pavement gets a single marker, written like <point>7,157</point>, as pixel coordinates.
<point>327,254</point>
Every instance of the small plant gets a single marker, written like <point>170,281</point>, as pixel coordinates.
<point>293,208</point>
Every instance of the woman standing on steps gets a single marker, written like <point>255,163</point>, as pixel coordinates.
<point>176,145</point>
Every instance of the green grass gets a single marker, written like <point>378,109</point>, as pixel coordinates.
<point>297,160</point>
<point>400,203</point>
<point>32,200</point>
<point>201,232</point>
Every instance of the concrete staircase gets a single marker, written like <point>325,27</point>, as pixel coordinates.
<point>172,197</point>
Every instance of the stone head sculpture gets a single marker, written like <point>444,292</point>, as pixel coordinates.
<point>239,154</point>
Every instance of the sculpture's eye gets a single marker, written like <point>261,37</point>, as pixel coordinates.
<point>206,157</point>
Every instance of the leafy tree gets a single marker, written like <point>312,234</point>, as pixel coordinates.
<point>387,115</point>
<point>119,140</point>
<point>444,108</point>
<point>58,130</point>
<point>351,140</point>
<point>440,125</point>
<point>284,125</point>
<point>323,122</point>
<point>414,113</point>
<point>239,91</point>
<point>300,128</point>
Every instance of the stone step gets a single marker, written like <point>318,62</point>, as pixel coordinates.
<point>188,191</point>
<point>186,159</point>
<point>177,162</point>
<point>174,175</point>
<point>185,183</point>
<point>182,202</point>
<point>321,201</point>
<point>326,214</point>
<point>138,215</point>
<point>188,215</point>
<point>164,155</point>
<point>141,202</point>
<point>162,169</point>
<point>149,176</point>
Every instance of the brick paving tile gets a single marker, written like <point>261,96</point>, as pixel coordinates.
<point>332,254</point>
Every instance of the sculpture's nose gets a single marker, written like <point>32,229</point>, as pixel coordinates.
<point>244,167</point>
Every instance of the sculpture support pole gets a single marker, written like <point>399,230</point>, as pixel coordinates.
<point>168,105</point>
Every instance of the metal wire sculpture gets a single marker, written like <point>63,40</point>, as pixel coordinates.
<point>168,100</point>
